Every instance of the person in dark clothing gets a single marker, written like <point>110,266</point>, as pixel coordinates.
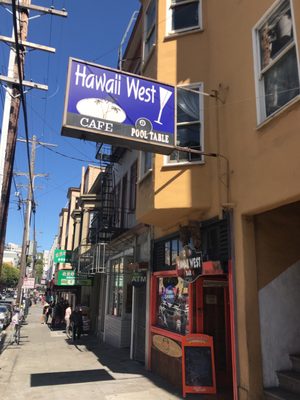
<point>45,309</point>
<point>77,323</point>
<point>53,315</point>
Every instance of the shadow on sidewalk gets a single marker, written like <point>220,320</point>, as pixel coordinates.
<point>69,377</point>
<point>118,362</point>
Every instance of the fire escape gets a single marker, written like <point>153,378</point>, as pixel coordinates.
<point>108,220</point>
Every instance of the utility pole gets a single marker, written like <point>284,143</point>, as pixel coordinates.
<point>9,129</point>
<point>30,208</point>
<point>13,100</point>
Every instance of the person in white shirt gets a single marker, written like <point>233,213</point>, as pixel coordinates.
<point>16,317</point>
<point>68,313</point>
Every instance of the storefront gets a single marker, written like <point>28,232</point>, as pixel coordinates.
<point>70,286</point>
<point>190,325</point>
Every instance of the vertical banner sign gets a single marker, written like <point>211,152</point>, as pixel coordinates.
<point>111,106</point>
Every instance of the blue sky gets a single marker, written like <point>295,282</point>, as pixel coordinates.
<point>92,31</point>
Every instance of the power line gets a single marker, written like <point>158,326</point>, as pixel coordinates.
<point>70,143</point>
<point>66,156</point>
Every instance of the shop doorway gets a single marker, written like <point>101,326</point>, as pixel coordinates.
<point>139,324</point>
<point>213,319</point>
<point>277,256</point>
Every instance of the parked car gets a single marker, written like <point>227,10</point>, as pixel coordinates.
<point>4,315</point>
<point>9,306</point>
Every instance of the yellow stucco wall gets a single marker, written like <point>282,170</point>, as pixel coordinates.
<point>264,166</point>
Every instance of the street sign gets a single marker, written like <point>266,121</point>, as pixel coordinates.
<point>28,283</point>
<point>62,256</point>
<point>115,107</point>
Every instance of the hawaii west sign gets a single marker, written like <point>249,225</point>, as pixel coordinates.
<point>111,106</point>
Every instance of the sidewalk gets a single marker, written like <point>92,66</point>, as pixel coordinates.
<point>47,366</point>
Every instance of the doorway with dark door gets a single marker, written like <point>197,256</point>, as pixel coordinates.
<point>216,323</point>
<point>139,324</point>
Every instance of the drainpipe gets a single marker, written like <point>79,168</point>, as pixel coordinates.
<point>132,333</point>
<point>148,301</point>
<point>233,312</point>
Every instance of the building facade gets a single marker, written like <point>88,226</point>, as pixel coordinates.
<point>12,254</point>
<point>208,245</point>
<point>236,69</point>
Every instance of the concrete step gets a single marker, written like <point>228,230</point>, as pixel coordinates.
<point>290,381</point>
<point>277,393</point>
<point>295,358</point>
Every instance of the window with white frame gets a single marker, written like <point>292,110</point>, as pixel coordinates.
<point>183,15</point>
<point>116,295</point>
<point>150,28</point>
<point>189,123</point>
<point>120,289</point>
<point>277,74</point>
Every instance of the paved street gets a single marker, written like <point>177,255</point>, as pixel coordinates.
<point>47,366</point>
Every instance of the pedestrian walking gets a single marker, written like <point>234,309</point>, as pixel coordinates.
<point>68,313</point>
<point>54,312</point>
<point>16,322</point>
<point>45,308</point>
<point>48,313</point>
<point>77,322</point>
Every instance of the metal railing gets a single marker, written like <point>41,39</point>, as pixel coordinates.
<point>90,259</point>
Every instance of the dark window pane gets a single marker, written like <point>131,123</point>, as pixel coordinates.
<point>167,253</point>
<point>187,136</point>
<point>185,16</point>
<point>150,18</point>
<point>281,82</point>
<point>150,43</point>
<point>133,180</point>
<point>187,105</point>
<point>174,250</point>
<point>147,162</point>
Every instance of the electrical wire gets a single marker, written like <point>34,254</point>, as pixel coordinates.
<point>52,129</point>
<point>66,156</point>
